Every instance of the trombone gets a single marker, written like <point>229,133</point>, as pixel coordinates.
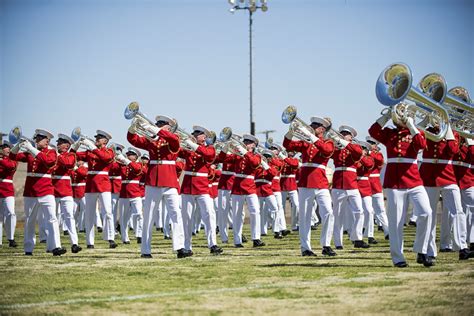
<point>297,126</point>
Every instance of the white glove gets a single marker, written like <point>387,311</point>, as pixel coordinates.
<point>16,149</point>
<point>384,119</point>
<point>122,159</point>
<point>192,145</point>
<point>469,141</point>
<point>264,165</point>
<point>312,137</point>
<point>281,155</point>
<point>449,134</point>
<point>76,145</point>
<point>241,150</point>
<point>411,126</point>
<point>149,127</point>
<point>32,150</point>
<point>89,144</point>
<point>342,143</point>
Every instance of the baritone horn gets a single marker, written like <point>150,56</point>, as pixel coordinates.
<point>394,87</point>
<point>15,136</point>
<point>459,106</point>
<point>226,136</point>
<point>297,126</point>
<point>132,112</point>
<point>77,135</point>
<point>183,135</point>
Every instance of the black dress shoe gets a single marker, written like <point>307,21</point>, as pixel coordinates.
<point>230,227</point>
<point>183,253</point>
<point>126,242</point>
<point>258,243</point>
<point>380,229</point>
<point>424,259</point>
<point>43,241</point>
<point>263,235</point>
<point>217,230</point>
<point>225,241</point>
<point>327,251</point>
<point>345,232</point>
<point>244,239</point>
<point>402,264</point>
<point>387,237</point>
<point>82,231</point>
<point>215,250</point>
<point>446,250</point>
<point>12,243</point>
<point>27,253</point>
<point>194,234</point>
<point>285,232</point>
<point>139,240</point>
<point>90,247</point>
<point>339,247</point>
<point>65,233</point>
<point>117,228</point>
<point>314,227</point>
<point>59,251</point>
<point>308,253</point>
<point>146,255</point>
<point>373,241</point>
<point>167,237</point>
<point>75,248</point>
<point>278,235</point>
<point>412,223</point>
<point>295,229</point>
<point>112,244</point>
<point>465,254</point>
<point>99,229</point>
<point>238,246</point>
<point>361,244</point>
<point>471,246</point>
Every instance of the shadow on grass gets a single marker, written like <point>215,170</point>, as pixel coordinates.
<point>322,265</point>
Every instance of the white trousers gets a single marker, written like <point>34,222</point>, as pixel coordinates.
<point>79,211</point>
<point>280,220</point>
<point>208,216</point>
<point>47,207</point>
<point>127,207</point>
<point>368,216</point>
<point>238,216</point>
<point>65,206</point>
<point>295,205</point>
<point>455,219</point>
<point>354,201</point>
<point>7,216</point>
<point>153,196</point>
<point>115,208</point>
<point>396,211</point>
<point>91,216</point>
<point>224,210</point>
<point>196,219</point>
<point>307,199</point>
<point>268,213</point>
<point>379,210</point>
<point>467,196</point>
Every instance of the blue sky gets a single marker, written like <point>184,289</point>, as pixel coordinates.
<point>79,63</point>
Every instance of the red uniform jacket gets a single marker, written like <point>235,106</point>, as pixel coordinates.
<point>263,181</point>
<point>436,168</point>
<point>374,176</point>
<point>463,167</point>
<point>115,177</point>
<point>364,168</point>
<point>78,179</point>
<point>278,164</point>
<point>244,168</point>
<point>131,176</point>
<point>227,175</point>
<point>62,174</point>
<point>163,153</point>
<point>7,170</point>
<point>288,174</point>
<point>345,172</point>
<point>38,178</point>
<point>143,179</point>
<point>196,172</point>
<point>99,162</point>
<point>402,149</point>
<point>315,158</point>
<point>214,176</point>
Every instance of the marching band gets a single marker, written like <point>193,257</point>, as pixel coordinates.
<point>85,182</point>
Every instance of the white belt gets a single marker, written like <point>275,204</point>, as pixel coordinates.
<point>362,178</point>
<point>313,165</point>
<point>82,184</point>
<point>215,183</point>
<point>462,164</point>
<point>97,172</point>
<point>246,176</point>
<point>288,176</point>
<point>130,181</point>
<point>142,183</point>
<point>345,169</point>
<point>276,178</point>
<point>228,173</point>
<point>195,174</point>
<point>162,162</point>
<point>437,161</point>
<point>61,177</point>
<point>6,180</point>
<point>402,160</point>
<point>38,175</point>
<point>115,177</point>
<point>374,175</point>
<point>263,181</point>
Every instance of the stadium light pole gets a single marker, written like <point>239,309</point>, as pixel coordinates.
<point>252,7</point>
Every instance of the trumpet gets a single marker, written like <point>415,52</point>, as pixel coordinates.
<point>394,86</point>
<point>132,112</point>
<point>297,126</point>
<point>460,109</point>
<point>15,136</point>
<point>226,136</point>
<point>183,135</point>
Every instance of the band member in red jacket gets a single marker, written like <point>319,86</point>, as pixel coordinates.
<point>39,191</point>
<point>289,188</point>
<point>61,175</point>
<point>195,191</point>
<point>376,186</point>
<point>161,182</point>
<point>7,195</point>
<point>267,200</point>
<point>214,177</point>
<point>78,180</point>
<point>116,182</point>
<point>438,176</point>
<point>224,204</point>
<point>98,187</point>
<point>402,181</point>
<point>313,184</point>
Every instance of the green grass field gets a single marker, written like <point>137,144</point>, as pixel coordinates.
<point>274,279</point>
